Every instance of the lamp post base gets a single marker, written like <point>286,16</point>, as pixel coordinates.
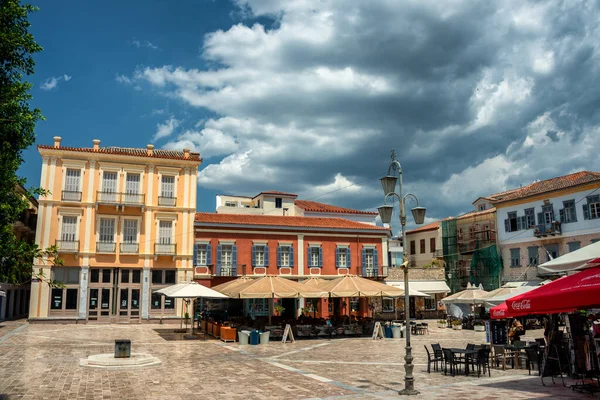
<point>409,392</point>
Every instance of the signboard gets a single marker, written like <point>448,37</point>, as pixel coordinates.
<point>488,332</point>
<point>378,331</point>
<point>288,332</point>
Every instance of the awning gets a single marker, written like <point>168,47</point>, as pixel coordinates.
<point>429,287</point>
<point>586,257</point>
<point>411,290</point>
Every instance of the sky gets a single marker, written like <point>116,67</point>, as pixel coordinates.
<point>311,97</point>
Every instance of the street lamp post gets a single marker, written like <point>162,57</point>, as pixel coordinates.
<point>388,184</point>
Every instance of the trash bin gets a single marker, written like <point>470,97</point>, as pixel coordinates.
<point>396,332</point>
<point>264,337</point>
<point>388,332</point>
<point>244,336</point>
<point>402,331</point>
<point>254,337</point>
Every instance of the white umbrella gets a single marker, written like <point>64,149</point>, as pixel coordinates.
<point>502,296</point>
<point>472,295</point>
<point>190,290</point>
<point>586,257</point>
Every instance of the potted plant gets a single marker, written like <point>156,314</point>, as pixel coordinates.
<point>441,324</point>
<point>456,325</point>
<point>279,309</point>
<point>478,326</point>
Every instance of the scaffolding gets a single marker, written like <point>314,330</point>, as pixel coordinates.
<point>486,267</point>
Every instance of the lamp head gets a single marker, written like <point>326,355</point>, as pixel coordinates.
<point>419,214</point>
<point>388,183</point>
<point>385,213</point>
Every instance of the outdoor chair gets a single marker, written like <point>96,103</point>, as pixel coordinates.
<point>437,350</point>
<point>483,361</point>
<point>470,346</point>
<point>519,344</point>
<point>501,354</point>
<point>450,358</point>
<point>432,359</point>
<point>533,357</point>
<point>541,341</point>
<point>339,331</point>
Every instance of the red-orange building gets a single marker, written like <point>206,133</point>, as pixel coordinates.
<point>231,245</point>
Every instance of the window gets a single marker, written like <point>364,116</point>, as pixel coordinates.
<point>430,304</point>
<point>203,254</point>
<point>314,257</point>
<point>432,244</point>
<point>260,256</point>
<point>130,231</point>
<point>167,187</point>
<point>481,207</point>
<point>226,260</point>
<point>552,250</point>
<point>342,257</point>
<point>69,228</point>
<point>422,245</point>
<point>529,218</point>
<point>278,202</point>
<point>574,246</point>
<point>72,180</point>
<point>65,299</point>
<point>548,214</point>
<point>533,255</point>
<point>413,249</point>
<point>230,204</point>
<point>285,256</point>
<point>388,304</point>
<point>132,184</point>
<point>107,230</point>
<point>66,275</point>
<point>109,182</point>
<point>165,232</point>
<point>568,213</point>
<point>591,210</point>
<point>515,257</point>
<point>159,302</point>
<point>512,221</point>
<point>369,258</point>
<point>163,276</point>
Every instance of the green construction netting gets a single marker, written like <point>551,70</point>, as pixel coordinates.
<point>450,254</point>
<point>486,267</point>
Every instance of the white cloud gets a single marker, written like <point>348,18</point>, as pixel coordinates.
<point>145,43</point>
<point>124,79</point>
<point>53,81</point>
<point>166,128</point>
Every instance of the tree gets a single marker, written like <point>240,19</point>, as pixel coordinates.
<point>17,124</point>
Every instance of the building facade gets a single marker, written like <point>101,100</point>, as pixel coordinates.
<point>122,220</point>
<point>232,245</point>
<point>547,219</point>
<point>14,299</point>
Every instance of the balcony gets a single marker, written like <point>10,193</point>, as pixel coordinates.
<point>68,195</point>
<point>551,229</point>
<point>129,248</point>
<point>67,246</point>
<point>165,249</point>
<point>370,272</point>
<point>167,201</point>
<point>226,271</point>
<point>106,247</point>
<point>122,199</point>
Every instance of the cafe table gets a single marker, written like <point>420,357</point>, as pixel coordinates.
<point>467,353</point>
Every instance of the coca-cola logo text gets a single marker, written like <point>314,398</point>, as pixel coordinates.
<point>498,313</point>
<point>521,305</point>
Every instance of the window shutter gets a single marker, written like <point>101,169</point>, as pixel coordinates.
<point>219,252</point>
<point>364,262</point>
<point>320,257</point>
<point>266,255</point>
<point>234,260</point>
<point>253,256</point>
<point>375,258</point>
<point>506,225</point>
<point>309,258</point>
<point>208,254</point>
<point>519,225</point>
<point>540,218</point>
<point>196,254</point>
<point>337,257</point>
<point>348,258</point>
<point>586,211</point>
<point>279,256</point>
<point>291,256</point>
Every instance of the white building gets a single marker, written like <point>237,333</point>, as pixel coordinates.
<point>547,219</point>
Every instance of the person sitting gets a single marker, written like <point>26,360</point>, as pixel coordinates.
<point>516,331</point>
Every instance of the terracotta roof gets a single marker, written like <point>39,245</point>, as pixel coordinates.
<point>275,192</point>
<point>430,227</point>
<point>549,185</point>
<point>496,196</point>
<point>286,221</point>
<point>314,206</point>
<point>125,151</point>
<point>477,213</point>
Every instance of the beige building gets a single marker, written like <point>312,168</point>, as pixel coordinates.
<point>122,220</point>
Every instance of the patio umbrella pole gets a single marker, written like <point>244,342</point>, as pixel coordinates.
<point>182,315</point>
<point>271,307</point>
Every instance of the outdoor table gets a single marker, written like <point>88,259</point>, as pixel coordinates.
<point>467,353</point>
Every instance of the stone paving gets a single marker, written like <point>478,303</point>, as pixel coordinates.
<point>42,362</point>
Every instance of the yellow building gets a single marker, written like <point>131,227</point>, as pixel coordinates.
<point>122,220</point>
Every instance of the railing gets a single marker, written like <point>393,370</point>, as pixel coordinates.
<point>547,229</point>
<point>132,199</point>
<point>227,271</point>
<point>106,247</point>
<point>167,201</point>
<point>67,246</point>
<point>168,249</point>
<point>130,248</point>
<point>370,272</point>
<point>68,195</point>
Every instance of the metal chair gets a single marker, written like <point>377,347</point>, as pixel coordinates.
<point>450,358</point>
<point>432,359</point>
<point>533,357</point>
<point>483,361</point>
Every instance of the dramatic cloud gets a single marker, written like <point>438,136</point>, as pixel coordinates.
<point>166,128</point>
<point>52,82</point>
<point>477,97</point>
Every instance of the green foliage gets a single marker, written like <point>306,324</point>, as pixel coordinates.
<point>17,123</point>
<point>279,309</point>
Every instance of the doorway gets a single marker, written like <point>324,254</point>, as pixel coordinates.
<point>412,306</point>
<point>290,308</point>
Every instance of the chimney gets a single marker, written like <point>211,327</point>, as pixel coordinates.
<point>96,144</point>
<point>186,153</point>
<point>150,148</point>
<point>57,140</point>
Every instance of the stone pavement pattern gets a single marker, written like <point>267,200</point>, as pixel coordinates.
<point>42,362</point>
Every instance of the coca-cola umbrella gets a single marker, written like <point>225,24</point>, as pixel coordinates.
<point>500,311</point>
<point>566,294</point>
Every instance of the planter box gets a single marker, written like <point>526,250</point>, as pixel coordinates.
<point>203,326</point>
<point>479,328</point>
<point>228,334</point>
<point>217,330</point>
<point>457,327</point>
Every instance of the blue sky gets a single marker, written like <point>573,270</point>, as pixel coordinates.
<point>310,97</point>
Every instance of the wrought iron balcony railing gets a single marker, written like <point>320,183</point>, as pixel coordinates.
<point>547,229</point>
<point>128,199</point>
<point>130,248</point>
<point>370,272</point>
<point>69,195</point>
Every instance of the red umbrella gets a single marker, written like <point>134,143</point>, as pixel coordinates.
<point>500,311</point>
<point>569,293</point>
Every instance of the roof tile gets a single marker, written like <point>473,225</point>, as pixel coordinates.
<point>126,151</point>
<point>429,227</point>
<point>313,206</point>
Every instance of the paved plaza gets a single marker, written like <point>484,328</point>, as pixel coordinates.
<point>43,362</point>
